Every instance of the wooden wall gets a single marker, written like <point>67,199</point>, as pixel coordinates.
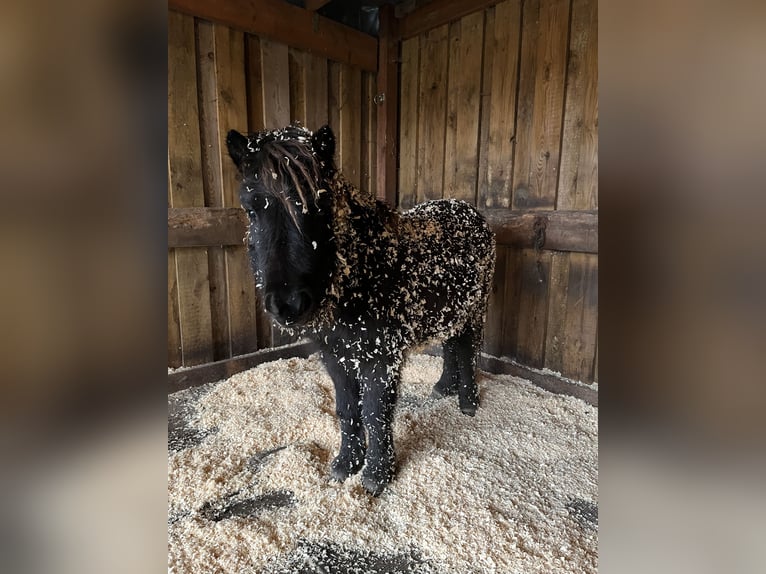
<point>220,78</point>
<point>499,107</point>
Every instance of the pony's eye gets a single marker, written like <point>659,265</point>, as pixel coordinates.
<point>251,212</point>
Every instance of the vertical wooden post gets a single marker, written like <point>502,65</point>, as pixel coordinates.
<point>388,91</point>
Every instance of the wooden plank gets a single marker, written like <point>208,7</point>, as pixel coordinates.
<point>541,99</point>
<point>334,103</point>
<point>565,230</point>
<point>275,82</point>
<point>582,317</point>
<point>184,229</point>
<point>408,123</point>
<point>504,89</point>
<point>231,108</point>
<point>482,194</point>
<point>254,79</point>
<point>211,372</point>
<point>288,24</point>
<point>578,174</point>
<point>432,111</point>
<point>437,13</point>
<point>548,381</point>
<point>186,188</point>
<point>533,307</point>
<point>174,319</point>
<point>350,140</point>
<point>493,327</point>
<point>369,135</point>
<point>555,337</point>
<point>314,5</point>
<point>386,110</point>
<point>206,226</point>
<point>463,106</point>
<point>298,98</point>
<point>511,302</point>
<point>256,122</point>
<point>316,90</point>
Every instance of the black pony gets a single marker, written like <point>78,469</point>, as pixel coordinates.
<point>366,282</point>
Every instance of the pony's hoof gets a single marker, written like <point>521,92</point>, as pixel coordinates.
<point>469,410</point>
<point>439,392</point>
<point>342,468</point>
<point>372,486</point>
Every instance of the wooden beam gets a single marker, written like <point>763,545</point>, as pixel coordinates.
<point>546,380</point>
<point>206,226</point>
<point>288,24</point>
<point>564,230</point>
<point>388,90</point>
<point>437,13</point>
<point>211,372</point>
<point>314,5</point>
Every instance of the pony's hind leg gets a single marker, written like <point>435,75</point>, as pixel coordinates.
<point>447,384</point>
<point>459,375</point>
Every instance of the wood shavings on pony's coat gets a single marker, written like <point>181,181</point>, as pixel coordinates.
<point>366,282</point>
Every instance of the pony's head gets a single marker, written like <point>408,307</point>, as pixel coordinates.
<point>285,191</point>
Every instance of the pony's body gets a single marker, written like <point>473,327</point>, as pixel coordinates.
<point>368,284</point>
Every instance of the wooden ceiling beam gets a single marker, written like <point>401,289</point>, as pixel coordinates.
<point>288,24</point>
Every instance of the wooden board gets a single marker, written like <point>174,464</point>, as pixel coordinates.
<point>504,90</point>
<point>316,92</point>
<point>493,327</point>
<point>192,224</point>
<point>298,98</point>
<point>231,111</point>
<point>432,109</point>
<point>578,175</point>
<point>438,12</point>
<point>174,322</point>
<point>482,192</point>
<point>408,123</point>
<point>256,122</point>
<point>463,106</point>
<point>275,78</point>
<point>545,26</point>
<point>582,317</point>
<point>387,109</point>
<point>565,230</point>
<point>533,307</point>
<point>206,226</point>
<point>216,371</point>
<point>282,22</point>
<point>186,189</point>
<point>350,130</point>
<point>555,336</point>
<point>511,302</point>
<point>369,135</point>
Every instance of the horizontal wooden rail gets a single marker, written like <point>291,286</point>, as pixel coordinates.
<point>575,231</point>
<point>564,230</point>
<point>185,378</point>
<point>291,25</point>
<point>437,13</point>
<point>205,226</point>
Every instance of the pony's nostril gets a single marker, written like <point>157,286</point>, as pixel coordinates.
<point>271,303</point>
<point>294,306</point>
<point>300,302</point>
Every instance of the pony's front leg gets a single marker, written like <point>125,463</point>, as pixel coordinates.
<point>379,384</point>
<point>347,407</point>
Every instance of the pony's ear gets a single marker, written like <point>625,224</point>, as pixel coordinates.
<point>237,146</point>
<point>323,142</point>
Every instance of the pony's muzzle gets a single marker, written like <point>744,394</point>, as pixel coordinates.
<point>289,308</point>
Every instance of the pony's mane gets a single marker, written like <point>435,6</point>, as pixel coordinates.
<point>286,155</point>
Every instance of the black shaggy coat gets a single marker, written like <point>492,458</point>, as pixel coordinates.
<point>366,282</point>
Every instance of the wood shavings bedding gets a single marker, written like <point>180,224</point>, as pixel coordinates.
<point>513,489</point>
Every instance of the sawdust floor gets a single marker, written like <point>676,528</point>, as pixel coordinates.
<point>513,489</point>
